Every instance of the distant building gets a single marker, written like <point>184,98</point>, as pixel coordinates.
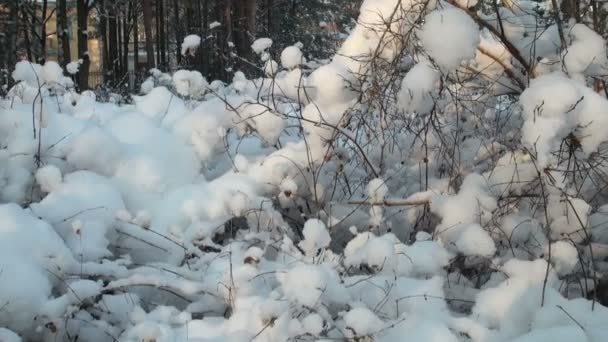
<point>52,40</point>
<point>95,44</point>
<point>53,49</point>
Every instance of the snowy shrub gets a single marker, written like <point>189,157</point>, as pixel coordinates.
<point>441,178</point>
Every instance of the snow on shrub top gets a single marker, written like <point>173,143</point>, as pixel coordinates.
<point>449,36</point>
<point>376,190</point>
<point>418,88</point>
<point>271,68</point>
<point>27,72</point>
<point>361,322</point>
<point>316,237</point>
<point>73,67</point>
<point>586,54</point>
<point>292,57</point>
<point>190,44</point>
<point>261,44</point>
<point>49,178</point>
<point>555,106</point>
<point>52,72</point>
<point>189,83</point>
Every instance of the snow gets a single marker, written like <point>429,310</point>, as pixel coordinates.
<point>418,88</point>
<point>147,86</point>
<point>49,178</point>
<point>73,67</point>
<point>27,72</point>
<point>264,120</point>
<point>32,257</point>
<point>271,68</point>
<point>260,45</point>
<point>420,330</point>
<point>312,324</point>
<point>330,86</point>
<point>376,190</point>
<point>189,83</point>
<point>425,187</point>
<point>383,253</point>
<point>564,257</point>
<point>8,336</point>
<point>570,333</point>
<point>460,216</point>
<point>105,161</point>
<point>292,57</point>
<point>162,103</point>
<point>74,199</point>
<point>475,241</point>
<point>466,3</point>
<point>361,322</point>
<point>450,37</point>
<point>571,110</point>
<point>311,286</point>
<point>586,54</point>
<point>316,237</point>
<point>190,44</point>
<point>428,257</point>
<point>52,72</point>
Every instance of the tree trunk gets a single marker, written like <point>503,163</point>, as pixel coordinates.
<point>222,13</point>
<point>228,20</point>
<point>10,53</point>
<point>35,48</point>
<point>157,32</point>
<point>190,61</point>
<point>189,17</point>
<point>125,40</point>
<point>82,15</point>
<point>204,52</point>
<point>113,45</point>
<point>167,28</point>
<point>63,33</point>
<point>135,36</point>
<point>105,44</point>
<point>26,34</point>
<point>269,6</point>
<point>178,36</point>
<point>246,13</point>
<point>252,7</point>
<point>120,30</point>
<point>161,25</point>
<point>145,4</point>
<point>43,22</point>
<point>240,28</point>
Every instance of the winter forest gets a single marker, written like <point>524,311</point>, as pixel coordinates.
<point>303,170</point>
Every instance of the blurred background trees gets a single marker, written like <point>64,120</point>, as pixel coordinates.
<point>117,42</point>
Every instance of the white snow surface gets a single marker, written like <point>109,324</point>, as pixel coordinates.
<point>283,208</point>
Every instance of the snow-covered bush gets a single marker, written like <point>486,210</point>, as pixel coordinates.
<point>433,181</point>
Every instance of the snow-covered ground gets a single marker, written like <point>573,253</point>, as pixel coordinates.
<point>275,209</point>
